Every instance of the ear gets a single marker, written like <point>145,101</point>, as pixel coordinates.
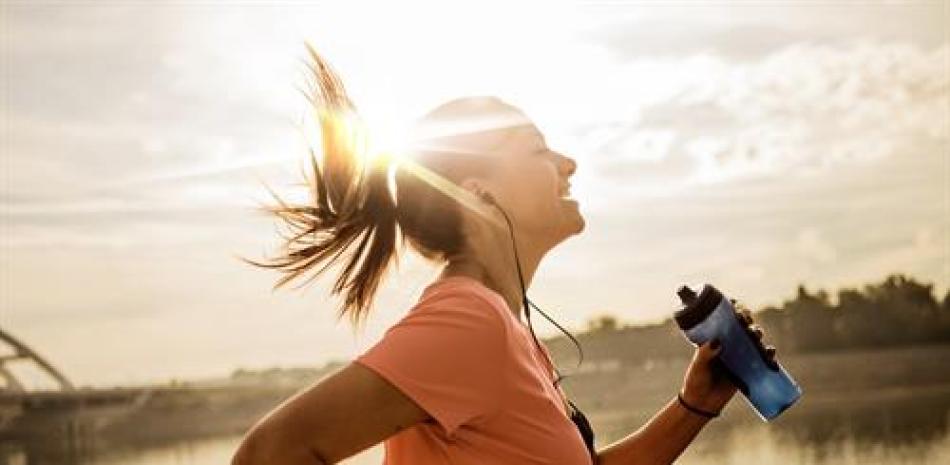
<point>475,187</point>
<point>485,199</point>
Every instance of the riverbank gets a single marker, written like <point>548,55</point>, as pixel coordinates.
<point>884,395</point>
<point>858,384</point>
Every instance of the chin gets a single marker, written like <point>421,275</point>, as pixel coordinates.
<point>573,222</point>
<point>572,228</point>
<point>576,222</point>
<point>578,226</point>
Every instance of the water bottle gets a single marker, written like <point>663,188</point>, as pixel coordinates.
<point>767,387</point>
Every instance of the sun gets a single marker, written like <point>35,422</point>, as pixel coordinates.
<point>379,139</point>
<point>370,141</point>
<point>386,138</point>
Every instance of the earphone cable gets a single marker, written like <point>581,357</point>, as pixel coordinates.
<point>528,303</point>
<point>577,417</point>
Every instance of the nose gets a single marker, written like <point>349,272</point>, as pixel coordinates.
<point>568,164</point>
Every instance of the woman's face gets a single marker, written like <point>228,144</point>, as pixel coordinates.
<point>532,185</point>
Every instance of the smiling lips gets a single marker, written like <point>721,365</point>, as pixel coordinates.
<point>565,191</point>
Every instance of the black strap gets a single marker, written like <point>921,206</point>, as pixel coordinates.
<point>697,411</point>
<point>585,429</point>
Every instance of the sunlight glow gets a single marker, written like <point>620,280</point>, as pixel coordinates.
<point>451,189</point>
<point>388,141</point>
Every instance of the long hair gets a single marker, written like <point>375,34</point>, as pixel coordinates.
<point>350,204</point>
<point>352,218</point>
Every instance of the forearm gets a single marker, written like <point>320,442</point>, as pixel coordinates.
<point>659,442</point>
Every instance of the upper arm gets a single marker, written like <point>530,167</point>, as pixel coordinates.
<point>449,355</point>
<point>342,414</point>
<point>444,362</point>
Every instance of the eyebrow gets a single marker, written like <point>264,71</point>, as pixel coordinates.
<point>540,136</point>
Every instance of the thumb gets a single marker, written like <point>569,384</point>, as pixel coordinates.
<point>710,349</point>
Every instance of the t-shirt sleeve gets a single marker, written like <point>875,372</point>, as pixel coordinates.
<point>448,355</point>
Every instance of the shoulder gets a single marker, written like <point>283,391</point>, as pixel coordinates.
<point>448,328</point>
<point>448,353</point>
<point>465,293</point>
<point>459,309</point>
<point>460,297</point>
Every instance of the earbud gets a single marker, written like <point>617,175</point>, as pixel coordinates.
<point>487,197</point>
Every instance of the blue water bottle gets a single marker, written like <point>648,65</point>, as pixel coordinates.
<point>767,387</point>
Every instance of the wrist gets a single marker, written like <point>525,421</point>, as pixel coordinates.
<point>696,408</point>
<point>706,401</point>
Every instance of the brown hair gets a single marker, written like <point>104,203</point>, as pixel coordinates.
<point>351,201</point>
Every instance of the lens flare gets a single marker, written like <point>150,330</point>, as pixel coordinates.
<point>378,145</point>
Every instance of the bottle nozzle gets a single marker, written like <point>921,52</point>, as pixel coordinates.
<point>687,295</point>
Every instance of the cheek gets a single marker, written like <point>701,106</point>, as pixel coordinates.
<point>536,199</point>
<point>536,179</point>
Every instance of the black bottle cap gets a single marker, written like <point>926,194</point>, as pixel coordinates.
<point>687,295</point>
<point>695,307</point>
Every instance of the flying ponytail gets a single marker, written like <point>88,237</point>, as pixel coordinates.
<point>350,203</point>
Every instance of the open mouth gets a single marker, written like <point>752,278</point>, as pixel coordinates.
<point>565,192</point>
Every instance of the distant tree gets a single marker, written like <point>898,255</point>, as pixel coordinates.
<point>899,310</point>
<point>604,322</point>
<point>899,288</point>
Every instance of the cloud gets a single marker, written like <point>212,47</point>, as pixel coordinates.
<point>806,110</point>
<point>812,245</point>
<point>746,42</point>
<point>754,148</point>
<point>748,33</point>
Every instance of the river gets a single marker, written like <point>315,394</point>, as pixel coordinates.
<point>904,430</point>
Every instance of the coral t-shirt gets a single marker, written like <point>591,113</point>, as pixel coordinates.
<point>464,358</point>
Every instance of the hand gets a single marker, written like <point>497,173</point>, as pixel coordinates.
<point>706,385</point>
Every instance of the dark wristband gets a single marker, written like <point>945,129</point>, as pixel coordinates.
<point>695,410</point>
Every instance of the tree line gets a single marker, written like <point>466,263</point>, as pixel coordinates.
<point>897,311</point>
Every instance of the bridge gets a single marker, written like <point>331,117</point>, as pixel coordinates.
<point>69,421</point>
<point>66,413</point>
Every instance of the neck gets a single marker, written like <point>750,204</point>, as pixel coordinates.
<point>500,275</point>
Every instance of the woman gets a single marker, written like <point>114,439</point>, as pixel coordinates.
<point>460,379</point>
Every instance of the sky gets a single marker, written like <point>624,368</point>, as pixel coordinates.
<point>754,146</point>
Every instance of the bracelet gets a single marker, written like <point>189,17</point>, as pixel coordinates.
<point>697,411</point>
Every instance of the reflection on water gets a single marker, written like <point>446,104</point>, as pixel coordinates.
<point>895,430</point>
<point>207,451</point>
<point>905,426</point>
<point>760,445</point>
<point>203,451</point>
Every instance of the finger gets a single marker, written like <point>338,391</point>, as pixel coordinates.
<point>747,314</point>
<point>710,349</point>
<point>756,330</point>
<point>738,311</point>
<point>736,304</point>
<point>744,318</point>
